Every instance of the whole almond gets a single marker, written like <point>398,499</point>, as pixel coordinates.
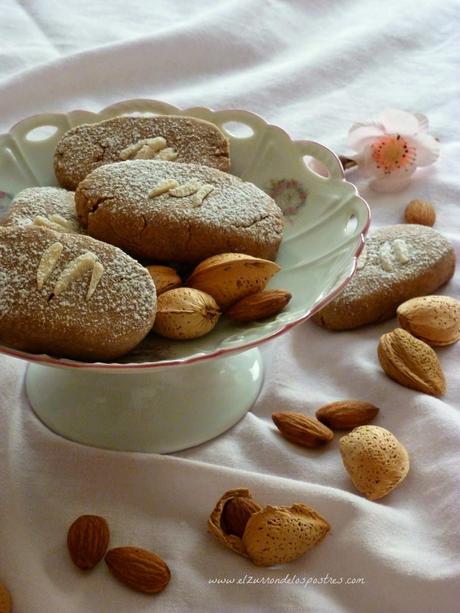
<point>229,277</point>
<point>420,212</point>
<point>185,313</point>
<point>375,460</point>
<point>87,540</point>
<point>346,414</point>
<point>236,514</point>
<point>164,277</point>
<point>302,430</point>
<point>259,305</point>
<point>6,603</point>
<point>433,319</point>
<point>411,362</point>
<point>139,569</point>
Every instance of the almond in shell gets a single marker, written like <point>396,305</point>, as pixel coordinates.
<point>259,305</point>
<point>229,277</point>
<point>375,460</point>
<point>346,414</point>
<point>302,430</point>
<point>236,514</point>
<point>185,313</point>
<point>139,569</point>
<point>87,540</point>
<point>411,362</point>
<point>433,319</point>
<point>420,212</point>
<point>218,522</point>
<point>164,277</point>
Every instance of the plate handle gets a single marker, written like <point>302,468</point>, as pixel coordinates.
<point>323,155</point>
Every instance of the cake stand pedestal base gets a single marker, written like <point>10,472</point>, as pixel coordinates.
<point>157,410</point>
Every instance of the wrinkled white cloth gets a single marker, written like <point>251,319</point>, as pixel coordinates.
<point>313,68</point>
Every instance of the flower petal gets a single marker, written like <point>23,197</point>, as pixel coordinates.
<point>361,133</point>
<point>422,122</point>
<point>390,183</point>
<point>427,149</point>
<point>396,121</point>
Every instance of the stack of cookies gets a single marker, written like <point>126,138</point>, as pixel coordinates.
<point>134,191</point>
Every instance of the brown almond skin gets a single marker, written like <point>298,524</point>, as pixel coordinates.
<point>346,414</point>
<point>6,604</point>
<point>139,569</point>
<point>302,430</point>
<point>87,540</point>
<point>259,305</point>
<point>236,514</point>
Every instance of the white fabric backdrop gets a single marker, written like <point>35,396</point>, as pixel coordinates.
<point>312,67</point>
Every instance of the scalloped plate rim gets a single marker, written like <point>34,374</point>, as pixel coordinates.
<point>119,367</point>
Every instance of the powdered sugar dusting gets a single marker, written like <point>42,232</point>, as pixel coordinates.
<point>394,254</point>
<point>234,216</point>
<point>43,202</point>
<point>85,147</point>
<point>123,303</point>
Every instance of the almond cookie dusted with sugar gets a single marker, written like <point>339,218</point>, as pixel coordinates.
<point>164,137</point>
<point>181,212</point>
<point>398,262</point>
<point>71,296</point>
<point>50,207</point>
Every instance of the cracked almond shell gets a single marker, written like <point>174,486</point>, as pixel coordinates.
<point>375,460</point>
<point>273,535</point>
<point>215,523</point>
<point>230,277</point>
<point>411,362</point>
<point>278,535</point>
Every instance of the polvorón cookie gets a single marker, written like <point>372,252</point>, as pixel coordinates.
<point>70,295</point>
<point>173,138</point>
<point>398,262</point>
<point>160,210</point>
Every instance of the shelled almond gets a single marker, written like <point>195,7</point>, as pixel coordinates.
<point>346,414</point>
<point>302,430</point>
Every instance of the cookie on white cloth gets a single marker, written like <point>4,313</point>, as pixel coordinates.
<point>398,262</point>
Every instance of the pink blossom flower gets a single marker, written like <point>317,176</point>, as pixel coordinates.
<point>390,149</point>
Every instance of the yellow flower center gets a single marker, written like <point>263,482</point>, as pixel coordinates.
<point>392,153</point>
